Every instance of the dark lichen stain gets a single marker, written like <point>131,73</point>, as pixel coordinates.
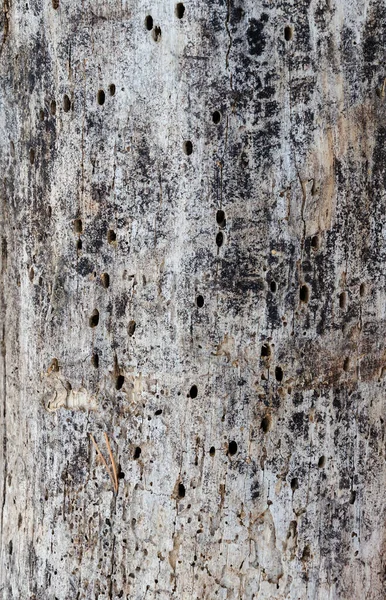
<point>255,36</point>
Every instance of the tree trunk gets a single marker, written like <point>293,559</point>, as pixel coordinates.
<point>193,300</point>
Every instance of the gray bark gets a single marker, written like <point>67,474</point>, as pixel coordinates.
<point>193,277</point>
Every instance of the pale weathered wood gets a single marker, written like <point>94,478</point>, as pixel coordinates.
<point>193,276</point>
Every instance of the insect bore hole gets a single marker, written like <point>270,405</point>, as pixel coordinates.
<point>321,462</point>
<point>193,391</point>
<point>137,453</point>
<point>101,97</point>
<point>294,484</point>
<point>304,293</point>
<point>95,360</point>
<point>232,448</point>
<point>119,382</point>
<point>288,33</point>
<point>212,451</point>
<point>156,33</point>
<point>266,424</point>
<point>220,218</point>
<point>149,22</point>
<point>105,278</point>
<point>216,117</point>
<point>78,226</point>
<point>220,239</point>
<point>180,10</point>
<point>279,374</point>
<point>131,328</point>
<point>94,319</point>
<point>111,236</point>
<point>66,103</point>
<point>265,350</point>
<point>200,301</point>
<point>112,89</point>
<point>181,490</point>
<point>188,147</point>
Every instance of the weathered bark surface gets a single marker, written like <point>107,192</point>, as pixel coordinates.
<point>266,481</point>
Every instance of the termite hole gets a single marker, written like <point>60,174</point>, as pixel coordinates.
<point>111,236</point>
<point>304,293</point>
<point>78,226</point>
<point>346,364</point>
<point>119,382</point>
<point>232,448</point>
<point>180,9</point>
<point>321,462</point>
<point>131,328</point>
<point>288,33</point>
<point>353,496</point>
<point>188,147</point>
<point>265,350</point>
<point>294,484</point>
<point>94,319</point>
<point>279,374</point>
<point>216,117</point>
<point>66,103</point>
<point>137,452</point>
<point>156,33</point>
<point>112,89</point>
<point>149,22</point>
<point>273,286</point>
<point>220,239</point>
<point>32,156</point>
<point>212,451</point>
<point>315,242</point>
<point>53,107</point>
<point>343,300</point>
<point>193,391</point>
<point>95,360</point>
<point>362,290</point>
<point>266,424</point>
<point>220,218</point>
<point>200,301</point>
<point>101,97</point>
<point>105,278</point>
<point>181,490</point>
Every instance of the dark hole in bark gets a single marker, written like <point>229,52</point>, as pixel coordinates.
<point>95,360</point>
<point>32,156</point>
<point>273,286</point>
<point>343,300</point>
<point>156,33</point>
<point>294,484</point>
<point>265,350</point>
<point>220,218</point>
<point>53,107</point>
<point>279,374</point>
<point>232,448</point>
<point>79,245</point>
<point>111,236</point>
<point>41,114</point>
<point>193,391</point>
<point>346,364</point>
<point>112,89</point>
<point>220,239</point>
<point>78,226</point>
<point>101,97</point>
<point>180,10</point>
<point>149,22</point>
<point>131,328</point>
<point>288,33</point>
<point>200,301</point>
<point>181,490</point>
<point>105,278</point>
<point>266,424</point>
<point>94,319</point>
<point>158,412</point>
<point>212,451</point>
<point>216,116</point>
<point>315,242</point>
<point>321,462</point>
<point>121,474</point>
<point>66,103</point>
<point>55,4</point>
<point>188,147</point>
<point>362,290</point>
<point>55,365</point>
<point>353,496</point>
<point>137,452</point>
<point>304,293</point>
<point>119,382</point>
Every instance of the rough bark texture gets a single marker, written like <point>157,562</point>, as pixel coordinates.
<point>193,250</point>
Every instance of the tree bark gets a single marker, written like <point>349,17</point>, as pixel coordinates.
<point>192,300</point>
